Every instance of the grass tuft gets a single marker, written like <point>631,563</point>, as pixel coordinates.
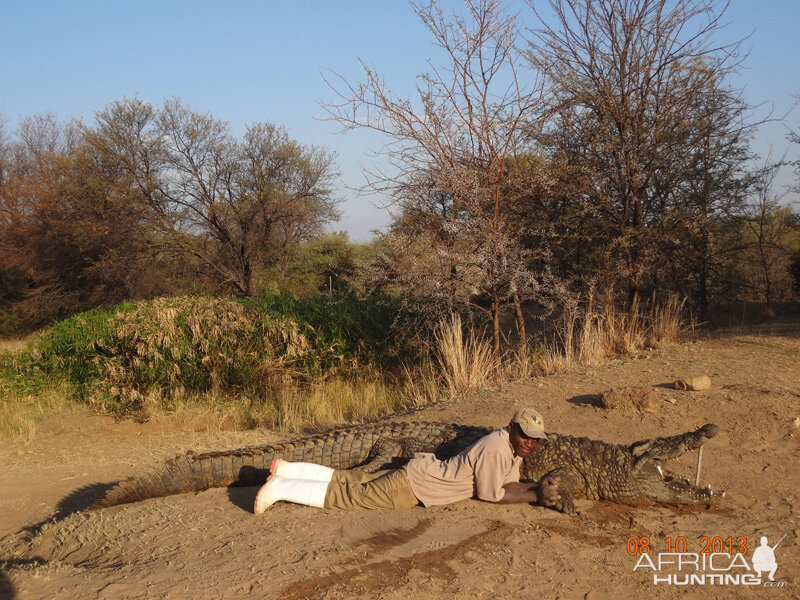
<point>467,362</point>
<point>591,335</point>
<point>21,414</point>
<point>335,402</point>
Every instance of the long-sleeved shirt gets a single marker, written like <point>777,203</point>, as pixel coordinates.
<point>479,471</point>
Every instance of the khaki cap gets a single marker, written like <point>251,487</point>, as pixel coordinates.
<point>530,422</point>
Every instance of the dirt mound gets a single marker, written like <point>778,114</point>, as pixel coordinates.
<point>641,398</point>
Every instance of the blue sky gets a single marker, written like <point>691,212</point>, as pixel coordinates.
<point>247,62</point>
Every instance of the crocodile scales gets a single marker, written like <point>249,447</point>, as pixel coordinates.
<point>588,469</point>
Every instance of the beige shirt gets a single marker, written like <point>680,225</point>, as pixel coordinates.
<point>481,470</point>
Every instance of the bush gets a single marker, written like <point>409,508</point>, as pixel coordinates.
<point>10,322</point>
<point>118,359</point>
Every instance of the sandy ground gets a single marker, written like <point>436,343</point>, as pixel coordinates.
<point>210,545</point>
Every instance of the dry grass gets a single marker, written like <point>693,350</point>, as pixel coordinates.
<point>463,362</point>
<point>467,362</point>
<point>525,362</point>
<point>210,344</point>
<point>14,345</point>
<point>591,335</point>
<point>420,386</point>
<point>335,402</point>
<point>293,408</point>
<point>208,412</point>
<point>666,323</point>
<point>20,415</point>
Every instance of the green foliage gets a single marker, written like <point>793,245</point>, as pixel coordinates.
<point>345,329</point>
<point>10,322</point>
<point>71,346</point>
<point>325,264</point>
<point>64,353</point>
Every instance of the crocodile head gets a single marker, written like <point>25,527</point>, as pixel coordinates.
<point>654,480</point>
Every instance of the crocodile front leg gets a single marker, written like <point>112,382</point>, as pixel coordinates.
<point>570,486</point>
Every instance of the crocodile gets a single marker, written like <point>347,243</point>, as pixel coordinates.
<point>588,469</point>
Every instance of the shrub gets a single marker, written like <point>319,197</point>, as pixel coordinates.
<point>141,354</point>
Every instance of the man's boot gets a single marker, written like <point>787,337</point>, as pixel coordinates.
<point>300,470</point>
<point>299,491</point>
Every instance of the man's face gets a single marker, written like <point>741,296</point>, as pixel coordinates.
<point>521,443</point>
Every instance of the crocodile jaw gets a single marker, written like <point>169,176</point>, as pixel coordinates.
<point>660,485</point>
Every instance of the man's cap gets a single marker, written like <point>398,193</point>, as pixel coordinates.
<point>530,422</point>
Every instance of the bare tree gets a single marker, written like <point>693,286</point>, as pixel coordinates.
<point>4,151</point>
<point>39,259</point>
<point>794,136</point>
<point>236,205</point>
<point>626,75</point>
<point>448,149</point>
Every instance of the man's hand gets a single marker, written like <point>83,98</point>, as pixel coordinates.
<point>547,492</point>
<point>543,493</point>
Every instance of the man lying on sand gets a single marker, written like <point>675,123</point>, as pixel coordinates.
<point>488,470</point>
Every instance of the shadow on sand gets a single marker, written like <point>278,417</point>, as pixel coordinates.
<point>586,400</point>
<point>72,503</point>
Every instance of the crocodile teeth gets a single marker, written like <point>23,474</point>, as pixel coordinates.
<point>660,471</point>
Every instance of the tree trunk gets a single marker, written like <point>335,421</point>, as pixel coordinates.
<point>703,292</point>
<point>495,312</point>
<point>633,293</point>
<point>247,279</point>
<point>637,254</point>
<point>520,319</point>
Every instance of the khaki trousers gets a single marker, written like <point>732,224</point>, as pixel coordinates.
<point>357,489</point>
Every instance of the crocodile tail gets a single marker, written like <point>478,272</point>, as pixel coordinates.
<point>245,466</point>
<point>341,449</point>
<point>188,473</point>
